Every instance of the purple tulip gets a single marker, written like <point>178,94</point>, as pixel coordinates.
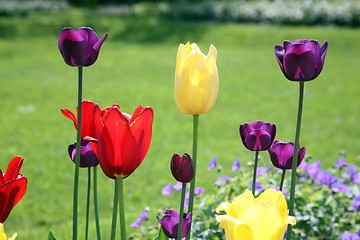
<point>170,222</point>
<point>87,155</point>
<point>282,154</point>
<point>301,60</point>
<point>236,165</point>
<point>258,135</point>
<point>80,47</point>
<point>182,168</point>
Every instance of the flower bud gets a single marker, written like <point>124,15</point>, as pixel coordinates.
<point>182,168</point>
<point>258,135</point>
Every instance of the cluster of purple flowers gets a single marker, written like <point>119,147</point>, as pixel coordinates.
<point>351,236</point>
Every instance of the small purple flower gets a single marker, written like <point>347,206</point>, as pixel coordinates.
<point>222,179</point>
<point>341,187</point>
<point>325,178</point>
<point>351,169</point>
<point>350,236</point>
<point>261,171</point>
<point>258,186</point>
<point>167,190</point>
<point>198,190</point>
<point>356,203</point>
<point>340,162</point>
<point>79,48</point>
<point>236,165</point>
<point>88,157</point>
<point>282,154</point>
<point>178,186</point>
<point>258,135</point>
<point>313,169</point>
<point>355,178</point>
<point>170,222</point>
<point>143,217</point>
<point>301,60</point>
<point>212,163</point>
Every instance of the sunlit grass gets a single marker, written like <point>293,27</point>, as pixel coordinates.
<point>136,66</point>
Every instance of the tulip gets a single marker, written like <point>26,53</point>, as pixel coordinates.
<point>80,47</point>
<point>3,235</point>
<point>258,135</point>
<point>122,140</point>
<point>282,153</point>
<point>249,218</point>
<point>301,60</point>
<point>12,187</point>
<point>87,155</point>
<point>196,79</point>
<point>182,168</point>
<point>87,124</point>
<point>170,222</point>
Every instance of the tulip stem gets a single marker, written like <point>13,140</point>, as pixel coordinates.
<point>88,204</point>
<point>96,208</point>
<point>77,158</point>
<point>181,213</point>
<point>295,158</point>
<point>254,173</point>
<point>120,181</point>
<point>194,157</point>
<point>115,206</point>
<point>282,179</point>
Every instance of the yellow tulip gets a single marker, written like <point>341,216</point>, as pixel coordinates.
<point>196,79</point>
<point>262,218</point>
<point>3,235</point>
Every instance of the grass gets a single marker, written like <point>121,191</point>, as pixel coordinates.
<point>136,66</point>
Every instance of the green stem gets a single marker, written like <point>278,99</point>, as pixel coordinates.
<point>88,204</point>
<point>254,173</point>
<point>96,208</point>
<point>77,158</point>
<point>120,181</point>
<point>295,158</point>
<point>181,213</point>
<point>194,157</point>
<point>115,206</point>
<point>282,179</point>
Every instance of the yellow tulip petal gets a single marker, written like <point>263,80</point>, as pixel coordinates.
<point>242,202</point>
<point>228,224</point>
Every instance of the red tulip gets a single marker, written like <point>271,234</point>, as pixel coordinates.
<point>12,187</point>
<point>182,168</point>
<point>122,141</point>
<point>87,125</point>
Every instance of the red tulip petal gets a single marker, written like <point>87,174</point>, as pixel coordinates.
<point>88,125</point>
<point>13,168</point>
<point>10,194</point>
<point>70,115</point>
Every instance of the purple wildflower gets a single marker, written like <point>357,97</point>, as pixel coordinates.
<point>261,171</point>
<point>222,179</point>
<point>258,186</point>
<point>143,217</point>
<point>178,186</point>
<point>350,236</point>
<point>236,165</point>
<point>325,178</point>
<point>356,203</point>
<point>341,187</point>
<point>167,189</point>
<point>212,164</point>
<point>351,169</point>
<point>340,162</point>
<point>198,190</point>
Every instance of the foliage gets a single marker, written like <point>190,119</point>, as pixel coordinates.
<point>310,12</point>
<point>25,7</point>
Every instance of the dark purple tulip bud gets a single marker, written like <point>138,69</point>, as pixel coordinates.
<point>301,60</point>
<point>79,48</point>
<point>258,135</point>
<point>170,222</point>
<point>87,155</point>
<point>182,168</point>
<point>282,153</point>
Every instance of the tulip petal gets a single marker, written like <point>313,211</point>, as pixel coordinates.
<point>70,115</point>
<point>13,168</point>
<point>209,80</point>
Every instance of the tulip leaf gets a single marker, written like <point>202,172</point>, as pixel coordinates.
<point>51,236</point>
<point>161,235</point>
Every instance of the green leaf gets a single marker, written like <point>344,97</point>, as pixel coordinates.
<point>51,236</point>
<point>161,235</point>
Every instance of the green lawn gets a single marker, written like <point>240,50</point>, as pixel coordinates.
<point>136,66</point>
